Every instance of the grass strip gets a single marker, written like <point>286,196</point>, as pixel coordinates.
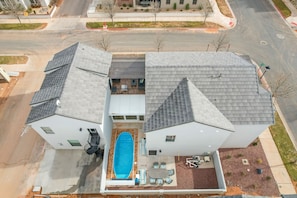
<point>169,24</point>
<point>9,60</point>
<point>281,6</point>
<point>23,26</point>
<point>285,147</point>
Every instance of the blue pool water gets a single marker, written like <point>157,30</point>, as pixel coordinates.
<point>123,155</point>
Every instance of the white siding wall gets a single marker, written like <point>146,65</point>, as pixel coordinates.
<point>191,139</point>
<point>107,121</point>
<point>243,135</point>
<point>66,129</point>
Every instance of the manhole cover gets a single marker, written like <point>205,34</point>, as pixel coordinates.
<point>280,36</point>
<point>245,162</point>
<point>263,42</point>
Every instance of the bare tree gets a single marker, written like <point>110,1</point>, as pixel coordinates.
<point>14,9</point>
<point>206,9</point>
<point>156,9</point>
<point>109,7</point>
<point>159,42</point>
<point>220,42</point>
<point>105,42</point>
<point>283,86</point>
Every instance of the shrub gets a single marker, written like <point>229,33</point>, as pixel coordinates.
<point>228,174</point>
<point>181,10</point>
<point>200,7</point>
<point>174,6</point>
<point>124,5</point>
<point>255,143</point>
<point>146,10</point>
<point>259,161</point>
<point>268,178</point>
<point>167,9</point>
<point>242,173</point>
<point>187,6</point>
<point>135,10</point>
<point>239,155</point>
<point>29,10</point>
<point>121,8</point>
<point>228,156</point>
<point>130,5</point>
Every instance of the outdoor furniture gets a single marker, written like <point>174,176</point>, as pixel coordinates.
<point>113,89</point>
<point>168,180</point>
<point>206,158</point>
<point>133,83</point>
<point>157,173</point>
<point>170,172</point>
<point>192,163</point>
<point>156,165</point>
<point>163,165</point>
<point>124,87</point>
<point>152,180</point>
<point>142,175</point>
<point>160,181</point>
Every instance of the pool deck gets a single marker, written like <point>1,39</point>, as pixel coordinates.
<point>185,177</point>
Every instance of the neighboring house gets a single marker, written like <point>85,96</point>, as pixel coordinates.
<point>205,100</point>
<point>181,4</point>
<point>26,3</point>
<point>71,108</point>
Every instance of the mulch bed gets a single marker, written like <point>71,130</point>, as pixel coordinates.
<point>255,178</point>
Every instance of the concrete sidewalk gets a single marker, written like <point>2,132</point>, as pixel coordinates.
<point>277,167</point>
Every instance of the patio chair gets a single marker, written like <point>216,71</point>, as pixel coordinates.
<point>152,180</point>
<point>160,181</point>
<point>170,172</point>
<point>163,165</point>
<point>168,180</point>
<point>156,165</point>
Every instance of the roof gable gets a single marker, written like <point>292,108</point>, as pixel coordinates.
<point>186,104</point>
<point>77,76</point>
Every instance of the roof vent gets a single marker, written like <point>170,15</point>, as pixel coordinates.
<point>219,75</point>
<point>58,103</point>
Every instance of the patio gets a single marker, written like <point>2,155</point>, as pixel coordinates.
<point>184,176</point>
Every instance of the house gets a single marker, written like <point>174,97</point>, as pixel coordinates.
<point>25,3</point>
<point>173,107</point>
<point>70,110</point>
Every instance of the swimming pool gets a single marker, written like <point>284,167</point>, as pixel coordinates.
<point>123,155</point>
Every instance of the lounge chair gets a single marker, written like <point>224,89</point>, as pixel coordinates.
<point>160,181</point>
<point>152,180</point>
<point>168,180</point>
<point>170,172</point>
<point>163,165</point>
<point>156,165</point>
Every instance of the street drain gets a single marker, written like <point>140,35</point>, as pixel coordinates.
<point>263,42</point>
<point>245,162</point>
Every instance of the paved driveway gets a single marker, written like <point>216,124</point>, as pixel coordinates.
<point>73,8</point>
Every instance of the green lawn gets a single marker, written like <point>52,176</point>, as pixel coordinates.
<point>284,10</point>
<point>173,24</point>
<point>285,147</point>
<point>13,60</point>
<point>23,26</point>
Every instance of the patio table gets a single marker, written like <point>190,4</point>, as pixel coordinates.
<point>158,172</point>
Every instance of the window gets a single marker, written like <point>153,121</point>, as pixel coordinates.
<point>181,2</point>
<point>141,117</point>
<point>194,2</point>
<point>170,138</point>
<point>152,152</point>
<point>118,117</point>
<point>74,142</point>
<point>167,2</point>
<point>47,130</point>
<point>131,117</point>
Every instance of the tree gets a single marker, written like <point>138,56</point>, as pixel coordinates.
<point>109,7</point>
<point>206,9</point>
<point>104,43</point>
<point>220,42</point>
<point>14,9</point>
<point>159,42</point>
<point>156,9</point>
<point>282,86</point>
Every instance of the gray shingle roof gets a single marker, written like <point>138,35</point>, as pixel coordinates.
<point>79,82</point>
<point>187,104</point>
<point>127,69</point>
<point>228,81</point>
